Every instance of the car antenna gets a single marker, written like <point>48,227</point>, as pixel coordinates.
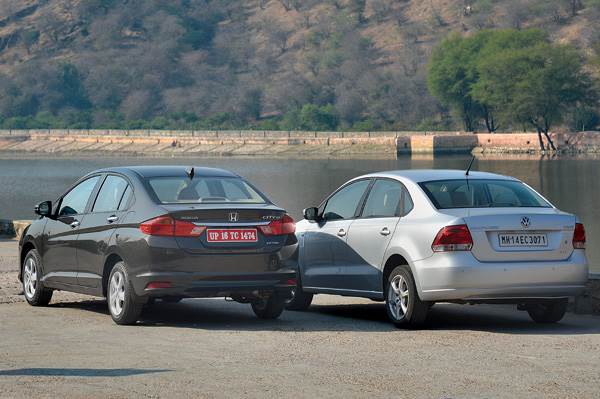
<point>190,173</point>
<point>470,164</point>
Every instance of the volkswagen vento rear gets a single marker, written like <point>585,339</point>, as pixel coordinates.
<point>417,237</point>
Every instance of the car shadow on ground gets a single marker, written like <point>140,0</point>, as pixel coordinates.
<point>217,314</point>
<point>485,318</point>
<point>78,372</point>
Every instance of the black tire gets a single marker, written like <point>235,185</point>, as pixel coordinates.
<point>129,304</point>
<point>415,312</point>
<point>171,299</point>
<point>33,289</point>
<point>548,312</point>
<point>269,308</point>
<point>300,300</point>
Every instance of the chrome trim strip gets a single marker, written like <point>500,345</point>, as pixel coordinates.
<point>341,289</point>
<point>229,224</point>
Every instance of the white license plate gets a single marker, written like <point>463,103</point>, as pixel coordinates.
<point>231,235</point>
<point>523,240</point>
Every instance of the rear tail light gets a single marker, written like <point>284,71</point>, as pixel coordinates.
<point>579,236</point>
<point>453,238</point>
<point>285,225</point>
<point>166,226</point>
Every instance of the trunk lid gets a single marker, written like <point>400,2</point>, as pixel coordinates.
<point>234,228</point>
<point>524,234</point>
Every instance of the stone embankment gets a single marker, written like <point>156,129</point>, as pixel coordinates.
<point>281,144</point>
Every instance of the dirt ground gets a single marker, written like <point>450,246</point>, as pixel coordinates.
<point>341,347</point>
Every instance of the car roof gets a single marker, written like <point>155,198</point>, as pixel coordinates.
<point>422,175</point>
<point>170,171</point>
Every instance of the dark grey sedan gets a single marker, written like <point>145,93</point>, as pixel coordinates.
<point>137,234</point>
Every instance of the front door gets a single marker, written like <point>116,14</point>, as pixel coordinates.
<point>370,236</point>
<point>97,229</point>
<point>59,257</point>
<point>324,244</point>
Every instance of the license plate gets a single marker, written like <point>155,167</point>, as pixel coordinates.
<point>231,235</point>
<point>523,240</point>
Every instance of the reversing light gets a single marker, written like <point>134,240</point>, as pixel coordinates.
<point>579,236</point>
<point>453,238</point>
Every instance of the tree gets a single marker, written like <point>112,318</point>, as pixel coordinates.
<point>72,87</point>
<point>536,85</point>
<point>515,74</point>
<point>452,72</point>
<point>311,117</point>
<point>30,37</point>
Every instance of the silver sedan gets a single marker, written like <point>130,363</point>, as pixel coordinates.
<point>412,238</point>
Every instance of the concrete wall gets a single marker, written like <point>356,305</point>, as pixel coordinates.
<point>238,142</point>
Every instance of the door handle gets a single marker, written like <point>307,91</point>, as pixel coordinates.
<point>385,231</point>
<point>74,224</point>
<point>112,219</point>
<point>341,232</point>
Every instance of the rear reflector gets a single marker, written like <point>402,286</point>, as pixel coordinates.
<point>453,238</point>
<point>158,284</point>
<point>285,225</point>
<point>579,236</point>
<point>166,226</point>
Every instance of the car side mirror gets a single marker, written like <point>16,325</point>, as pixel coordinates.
<point>311,213</point>
<point>44,208</point>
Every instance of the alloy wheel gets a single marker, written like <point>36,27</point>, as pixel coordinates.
<point>398,297</point>
<point>117,293</point>
<point>30,277</point>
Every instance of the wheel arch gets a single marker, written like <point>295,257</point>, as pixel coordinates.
<point>27,246</point>
<point>111,260</point>
<point>397,259</point>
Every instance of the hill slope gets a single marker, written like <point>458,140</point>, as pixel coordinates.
<point>234,63</point>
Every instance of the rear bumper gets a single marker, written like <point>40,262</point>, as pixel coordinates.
<point>202,285</point>
<point>210,274</point>
<point>459,276</point>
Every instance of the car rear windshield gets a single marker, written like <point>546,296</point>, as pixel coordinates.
<point>174,190</point>
<point>479,193</point>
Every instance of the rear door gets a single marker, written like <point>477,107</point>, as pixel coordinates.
<point>96,230</point>
<point>325,250</point>
<point>59,254</point>
<point>370,235</point>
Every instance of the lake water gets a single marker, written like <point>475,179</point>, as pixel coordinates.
<point>571,183</point>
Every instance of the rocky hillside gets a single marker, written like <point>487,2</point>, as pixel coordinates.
<point>340,63</point>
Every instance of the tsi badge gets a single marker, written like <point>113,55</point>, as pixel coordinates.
<point>234,216</point>
<point>525,222</point>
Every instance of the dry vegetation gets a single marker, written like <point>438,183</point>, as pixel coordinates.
<point>261,63</point>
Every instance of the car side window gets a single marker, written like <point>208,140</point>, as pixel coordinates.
<point>343,204</point>
<point>407,204</point>
<point>74,202</point>
<point>109,196</point>
<point>126,198</point>
<point>384,199</point>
